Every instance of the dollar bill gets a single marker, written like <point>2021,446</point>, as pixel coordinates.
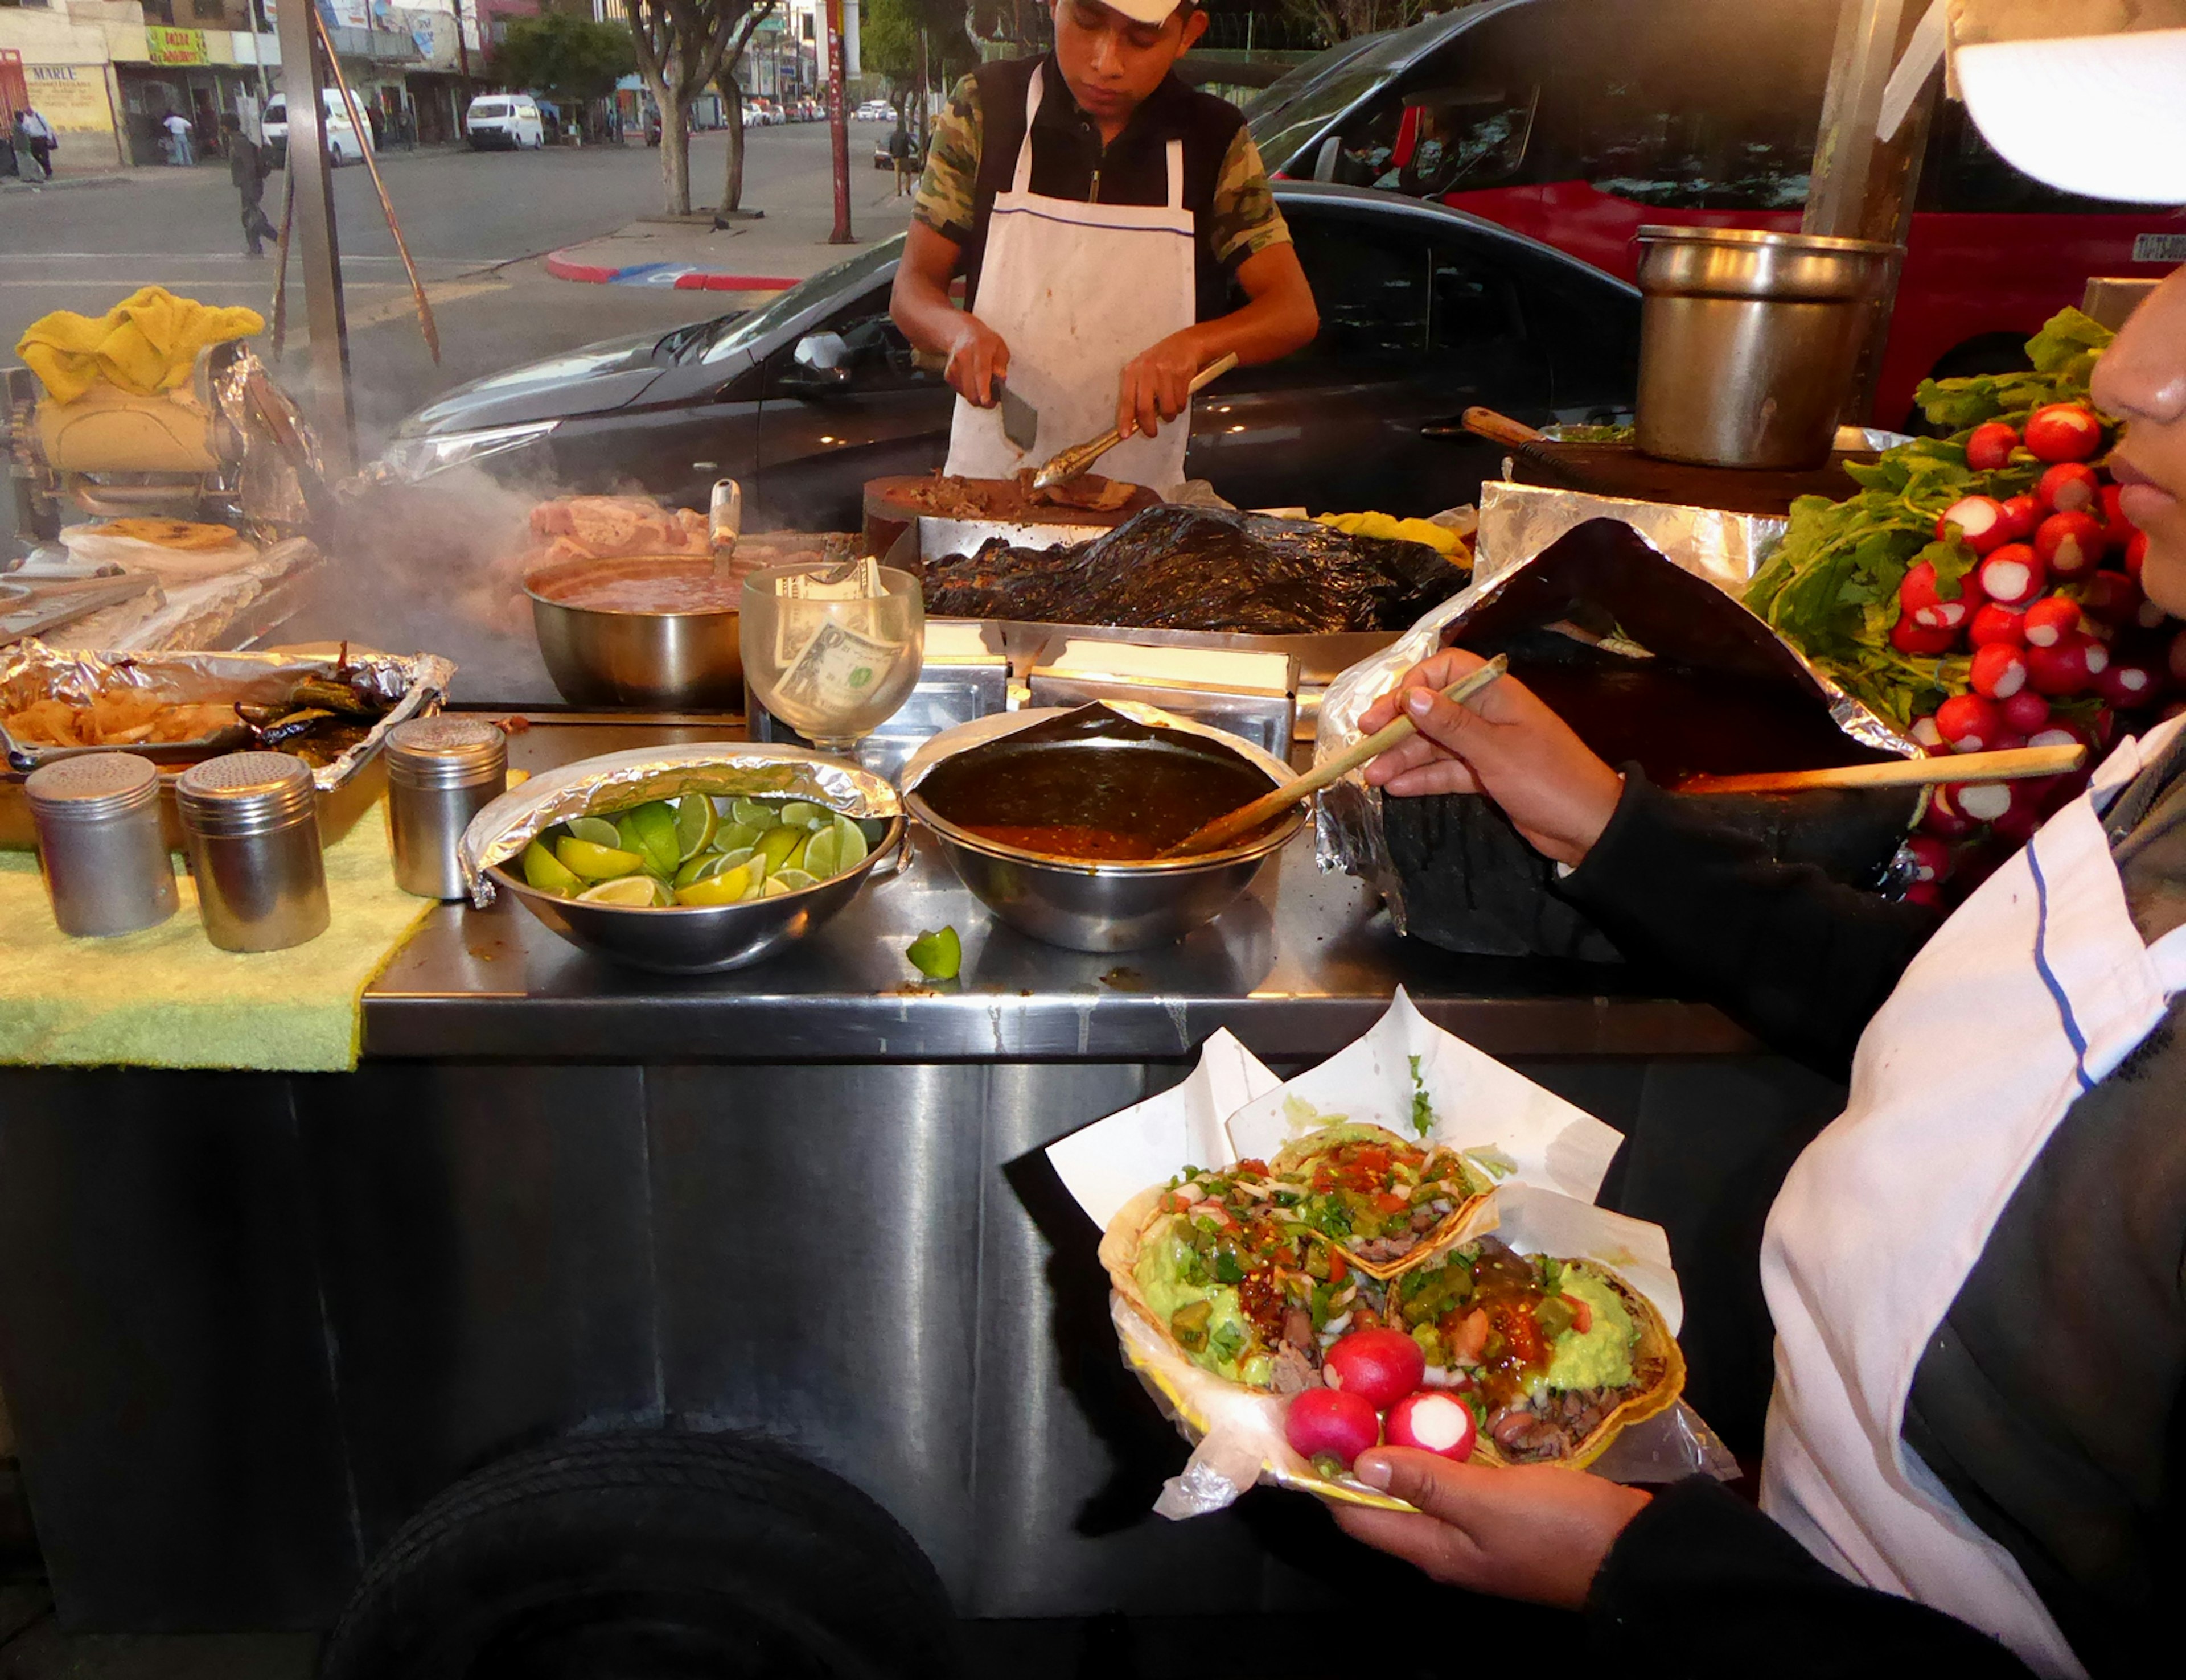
<point>835,674</point>
<point>857,580</point>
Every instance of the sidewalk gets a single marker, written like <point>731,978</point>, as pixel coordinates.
<point>768,253</point>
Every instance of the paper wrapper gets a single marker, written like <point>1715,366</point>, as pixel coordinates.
<point>1553,1155</point>
<point>724,769</point>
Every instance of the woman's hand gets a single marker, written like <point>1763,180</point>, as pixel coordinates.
<point>1534,1532</point>
<point>978,358</point>
<point>1503,742</point>
<point>1157,383</point>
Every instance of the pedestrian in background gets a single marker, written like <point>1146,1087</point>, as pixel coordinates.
<point>27,165</point>
<point>179,152</point>
<point>248,169</point>
<point>43,140</point>
<point>900,153</point>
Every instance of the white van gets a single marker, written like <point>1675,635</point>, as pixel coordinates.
<point>344,145</point>
<point>510,119</point>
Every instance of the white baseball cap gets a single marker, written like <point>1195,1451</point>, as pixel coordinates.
<point>2102,116</point>
<point>1144,11</point>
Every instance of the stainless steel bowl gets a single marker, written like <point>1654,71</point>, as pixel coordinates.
<point>666,661</point>
<point>699,938</point>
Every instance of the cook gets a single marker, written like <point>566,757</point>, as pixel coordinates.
<point>1098,211</point>
<point>1974,1272</point>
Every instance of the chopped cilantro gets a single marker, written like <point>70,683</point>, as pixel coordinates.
<point>1423,1114</point>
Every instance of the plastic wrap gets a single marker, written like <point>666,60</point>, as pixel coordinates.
<point>1202,570</point>
<point>725,769</point>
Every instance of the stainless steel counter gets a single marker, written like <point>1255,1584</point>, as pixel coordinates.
<point>1299,967</point>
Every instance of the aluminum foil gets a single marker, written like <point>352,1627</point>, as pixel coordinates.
<point>1722,548</point>
<point>415,684</point>
<point>274,482</point>
<point>725,768</point>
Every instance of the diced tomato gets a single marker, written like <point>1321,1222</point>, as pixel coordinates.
<point>1251,1168</point>
<point>1582,1314</point>
<point>1389,1202</point>
<point>1337,1270</point>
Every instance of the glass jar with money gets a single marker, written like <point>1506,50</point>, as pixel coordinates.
<point>833,650</point>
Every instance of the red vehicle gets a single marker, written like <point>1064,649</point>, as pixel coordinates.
<point>1577,121</point>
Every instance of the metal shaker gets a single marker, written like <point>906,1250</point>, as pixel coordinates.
<point>442,772</point>
<point>99,848</point>
<point>251,828</point>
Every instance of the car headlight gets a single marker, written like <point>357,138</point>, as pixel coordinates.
<point>413,460</point>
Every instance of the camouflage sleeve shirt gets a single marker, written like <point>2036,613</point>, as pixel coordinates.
<point>1242,221</point>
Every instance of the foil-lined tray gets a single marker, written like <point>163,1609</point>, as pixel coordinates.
<point>1721,549</point>
<point>415,684</point>
<point>721,769</point>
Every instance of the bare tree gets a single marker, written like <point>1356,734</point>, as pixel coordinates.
<point>732,101</point>
<point>680,45</point>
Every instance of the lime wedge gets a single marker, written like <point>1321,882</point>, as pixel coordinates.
<point>793,880</point>
<point>758,817</point>
<point>737,836</point>
<point>634,891</point>
<point>697,869</point>
<point>737,859</point>
<point>802,814</point>
<point>546,872</point>
<point>779,844</point>
<point>937,956</point>
<point>728,887</point>
<point>695,824</point>
<point>821,853</point>
<point>593,862</point>
<point>597,830</point>
<point>650,831</point>
<point>851,848</point>
<point>774,888</point>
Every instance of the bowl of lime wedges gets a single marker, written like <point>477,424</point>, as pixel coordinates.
<point>696,883</point>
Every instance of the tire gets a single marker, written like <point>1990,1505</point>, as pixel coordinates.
<point>647,1555</point>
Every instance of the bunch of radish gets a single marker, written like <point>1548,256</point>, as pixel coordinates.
<point>1376,1394</point>
<point>2050,609</point>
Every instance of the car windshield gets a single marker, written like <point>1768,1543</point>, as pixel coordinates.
<point>1285,89</point>
<point>741,332</point>
<point>493,110</point>
<point>1279,131</point>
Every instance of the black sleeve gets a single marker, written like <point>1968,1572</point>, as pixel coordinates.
<point>1702,1583</point>
<point>1798,960</point>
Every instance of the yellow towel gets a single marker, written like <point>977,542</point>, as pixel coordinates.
<point>146,343</point>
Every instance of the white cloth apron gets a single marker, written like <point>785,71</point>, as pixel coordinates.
<point>1076,291</point>
<point>2032,993</point>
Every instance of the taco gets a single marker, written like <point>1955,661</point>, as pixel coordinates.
<point>1555,1357</point>
<point>1387,1203</point>
<point>1239,1283</point>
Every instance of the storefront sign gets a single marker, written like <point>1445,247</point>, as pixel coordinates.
<point>71,97</point>
<point>176,46</point>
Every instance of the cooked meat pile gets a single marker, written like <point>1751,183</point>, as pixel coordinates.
<point>602,527</point>
<point>1202,570</point>
<point>1013,498</point>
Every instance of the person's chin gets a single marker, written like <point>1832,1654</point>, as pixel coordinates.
<point>2163,572</point>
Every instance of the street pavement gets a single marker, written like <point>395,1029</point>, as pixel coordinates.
<point>480,226</point>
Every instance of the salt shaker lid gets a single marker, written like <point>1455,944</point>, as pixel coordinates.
<point>440,747</point>
<point>240,792</point>
<point>92,786</point>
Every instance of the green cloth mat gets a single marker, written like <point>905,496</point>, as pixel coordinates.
<point>168,997</point>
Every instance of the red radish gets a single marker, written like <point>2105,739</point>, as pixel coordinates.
<point>1930,737</point>
<point>1931,857</point>
<point>2022,514</point>
<point>1980,801</point>
<point>2049,622</point>
<point>1944,819</point>
<point>2070,544</point>
<point>1999,672</point>
<point>1993,626</point>
<point>2068,668</point>
<point>1381,1366</point>
<point>2111,597</point>
<point>1333,1421</point>
<point>1991,445</point>
<point>1920,594</point>
<point>1969,723</point>
<point>2024,815</point>
<point>1976,521</point>
<point>2070,487</point>
<point>1928,893</point>
<point>2063,431</point>
<point>1918,640</point>
<point>2136,553</point>
<point>2112,514</point>
<point>1433,1423</point>
<point>2024,712</point>
<point>2129,686</point>
<point>2013,575</point>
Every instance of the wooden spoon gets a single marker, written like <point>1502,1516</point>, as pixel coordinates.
<point>2014,763</point>
<point>1213,836</point>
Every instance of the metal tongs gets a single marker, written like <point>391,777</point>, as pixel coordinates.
<point>1077,459</point>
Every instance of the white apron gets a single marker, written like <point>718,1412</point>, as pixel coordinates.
<point>2032,993</point>
<point>1076,291</point>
